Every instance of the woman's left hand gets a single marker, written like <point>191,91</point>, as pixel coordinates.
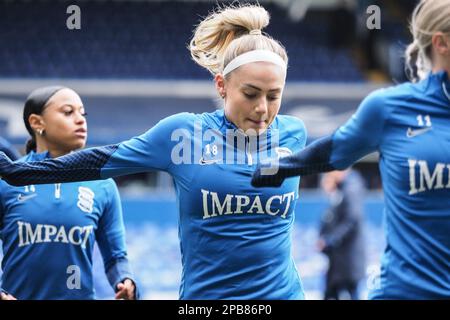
<point>126,290</point>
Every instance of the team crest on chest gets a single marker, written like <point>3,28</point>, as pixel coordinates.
<point>85,199</point>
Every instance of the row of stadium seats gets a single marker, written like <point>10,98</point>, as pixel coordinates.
<point>144,40</point>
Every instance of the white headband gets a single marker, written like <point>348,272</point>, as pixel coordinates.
<point>254,56</point>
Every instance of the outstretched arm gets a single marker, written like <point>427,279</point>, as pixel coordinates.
<point>361,135</point>
<point>150,151</point>
<point>77,166</point>
<point>313,159</point>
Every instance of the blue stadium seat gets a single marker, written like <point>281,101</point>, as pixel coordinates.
<point>144,40</point>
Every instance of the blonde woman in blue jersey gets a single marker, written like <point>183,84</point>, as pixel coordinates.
<point>235,240</point>
<point>409,126</point>
<point>48,231</point>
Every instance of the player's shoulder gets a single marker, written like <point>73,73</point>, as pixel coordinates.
<point>103,190</point>
<point>390,94</point>
<point>213,120</point>
<point>106,184</point>
<point>182,117</point>
<point>290,125</point>
<point>177,122</point>
<point>27,158</point>
<point>380,103</point>
<point>3,184</point>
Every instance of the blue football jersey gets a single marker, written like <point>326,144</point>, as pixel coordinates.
<point>235,240</point>
<point>48,234</point>
<point>409,126</point>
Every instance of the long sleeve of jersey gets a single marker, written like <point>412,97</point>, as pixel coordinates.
<point>110,236</point>
<point>146,152</point>
<point>358,137</point>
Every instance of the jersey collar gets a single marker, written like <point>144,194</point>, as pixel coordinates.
<point>439,84</point>
<point>33,156</point>
<point>445,83</point>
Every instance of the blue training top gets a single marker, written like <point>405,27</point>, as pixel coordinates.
<point>235,239</point>
<point>48,234</point>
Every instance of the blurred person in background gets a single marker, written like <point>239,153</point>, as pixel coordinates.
<point>341,234</point>
<point>408,125</point>
<point>48,231</point>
